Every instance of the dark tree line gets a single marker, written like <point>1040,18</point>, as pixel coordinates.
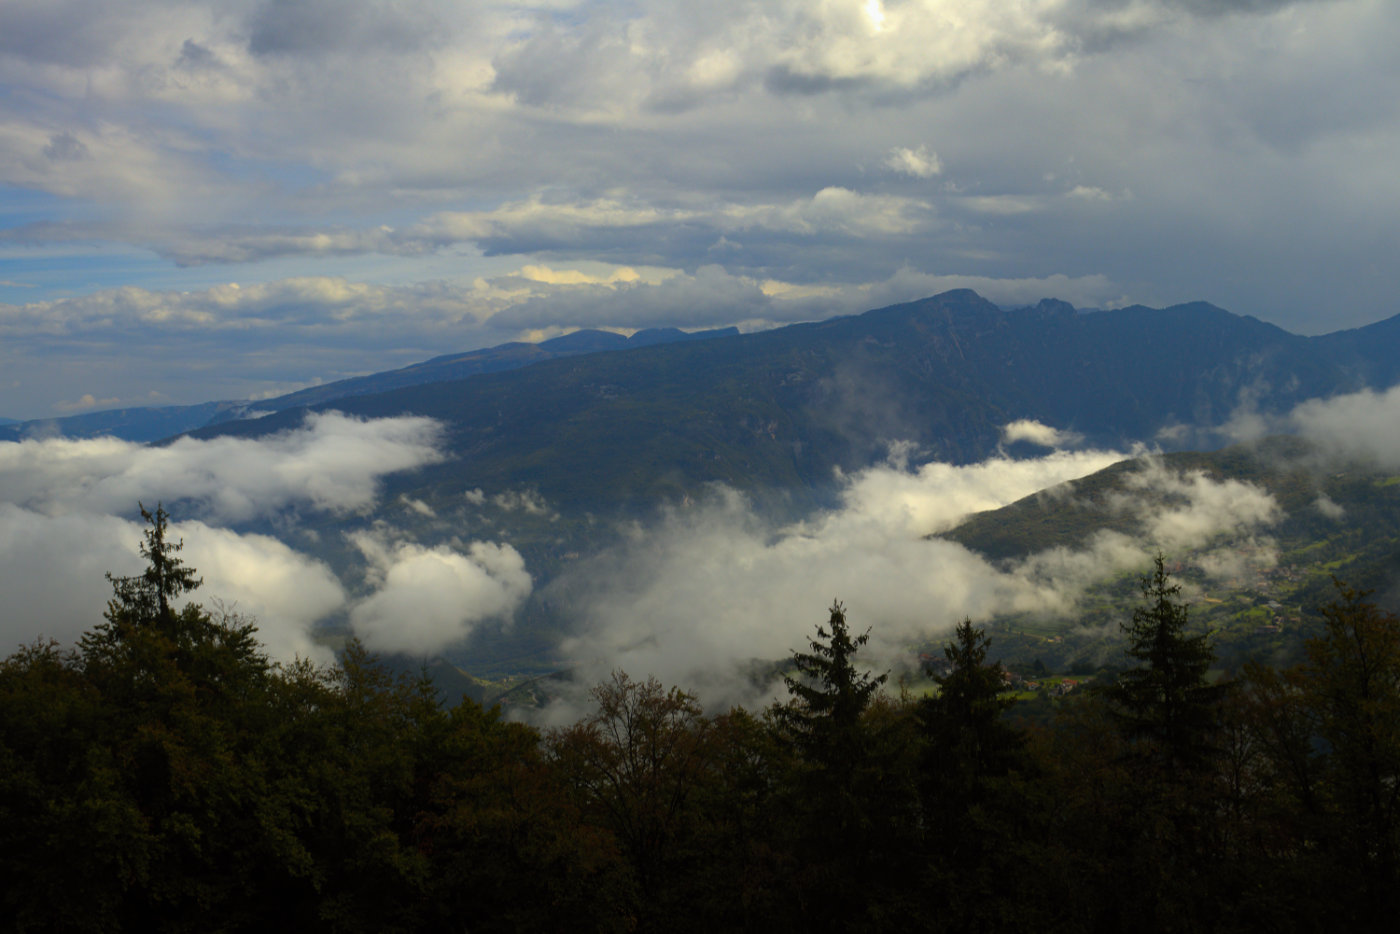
<point>164,775</point>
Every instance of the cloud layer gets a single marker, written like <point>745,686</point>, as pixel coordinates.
<point>332,463</point>
<point>66,521</point>
<point>1357,425</point>
<point>52,571</point>
<point>1349,426</point>
<point>697,598</point>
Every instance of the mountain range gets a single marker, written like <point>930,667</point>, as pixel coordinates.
<point>593,420</point>
<point>785,408</point>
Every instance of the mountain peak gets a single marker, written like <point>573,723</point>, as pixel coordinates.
<point>1053,306</point>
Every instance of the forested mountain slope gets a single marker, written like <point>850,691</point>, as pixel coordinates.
<point>783,408</point>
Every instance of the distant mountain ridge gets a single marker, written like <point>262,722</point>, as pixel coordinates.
<point>782,409</point>
<point>138,423</point>
<point>155,423</point>
<point>511,356</point>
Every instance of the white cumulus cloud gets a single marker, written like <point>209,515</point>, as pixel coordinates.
<point>1361,424</point>
<point>53,567</point>
<point>65,508</point>
<point>920,162</point>
<point>333,462</point>
<point>429,599</point>
<point>1045,436</point>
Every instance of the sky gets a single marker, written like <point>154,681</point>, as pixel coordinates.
<point>230,200</point>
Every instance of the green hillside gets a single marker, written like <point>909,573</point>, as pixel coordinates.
<point>1336,522</point>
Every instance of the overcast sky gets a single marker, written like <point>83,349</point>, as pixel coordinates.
<point>229,199</point>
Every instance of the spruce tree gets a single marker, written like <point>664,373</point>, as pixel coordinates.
<point>829,693</point>
<point>973,810</point>
<point>1351,692</point>
<point>146,597</point>
<point>968,741</point>
<point>1166,702</point>
<point>969,696</point>
<point>850,798</point>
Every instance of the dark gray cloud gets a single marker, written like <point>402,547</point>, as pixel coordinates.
<point>65,146</point>
<point>194,55</point>
<point>298,27</point>
<point>62,32</point>
<point>1213,7</point>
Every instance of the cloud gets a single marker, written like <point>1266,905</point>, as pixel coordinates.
<point>428,599</point>
<point>51,571</point>
<point>106,162</point>
<point>1089,193</point>
<point>263,339</point>
<point>918,163</point>
<point>284,592</point>
<point>712,297</point>
<point>1005,205</point>
<point>708,298</point>
<point>159,144</point>
<point>1345,427</point>
<point>331,463</point>
<point>1042,435</point>
<point>519,227</point>
<point>835,209</point>
<point>86,401</point>
<point>539,224</point>
<point>936,496</point>
<point>235,341</point>
<point>53,567</point>
<point>527,501</point>
<point>697,597</point>
<point>674,60</point>
<point>1332,510</point>
<point>1357,425</point>
<point>284,306</point>
<point>63,527</point>
<point>300,27</point>
<point>1183,510</point>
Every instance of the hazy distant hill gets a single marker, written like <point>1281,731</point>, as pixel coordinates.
<point>140,423</point>
<point>782,408</point>
<point>155,423</point>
